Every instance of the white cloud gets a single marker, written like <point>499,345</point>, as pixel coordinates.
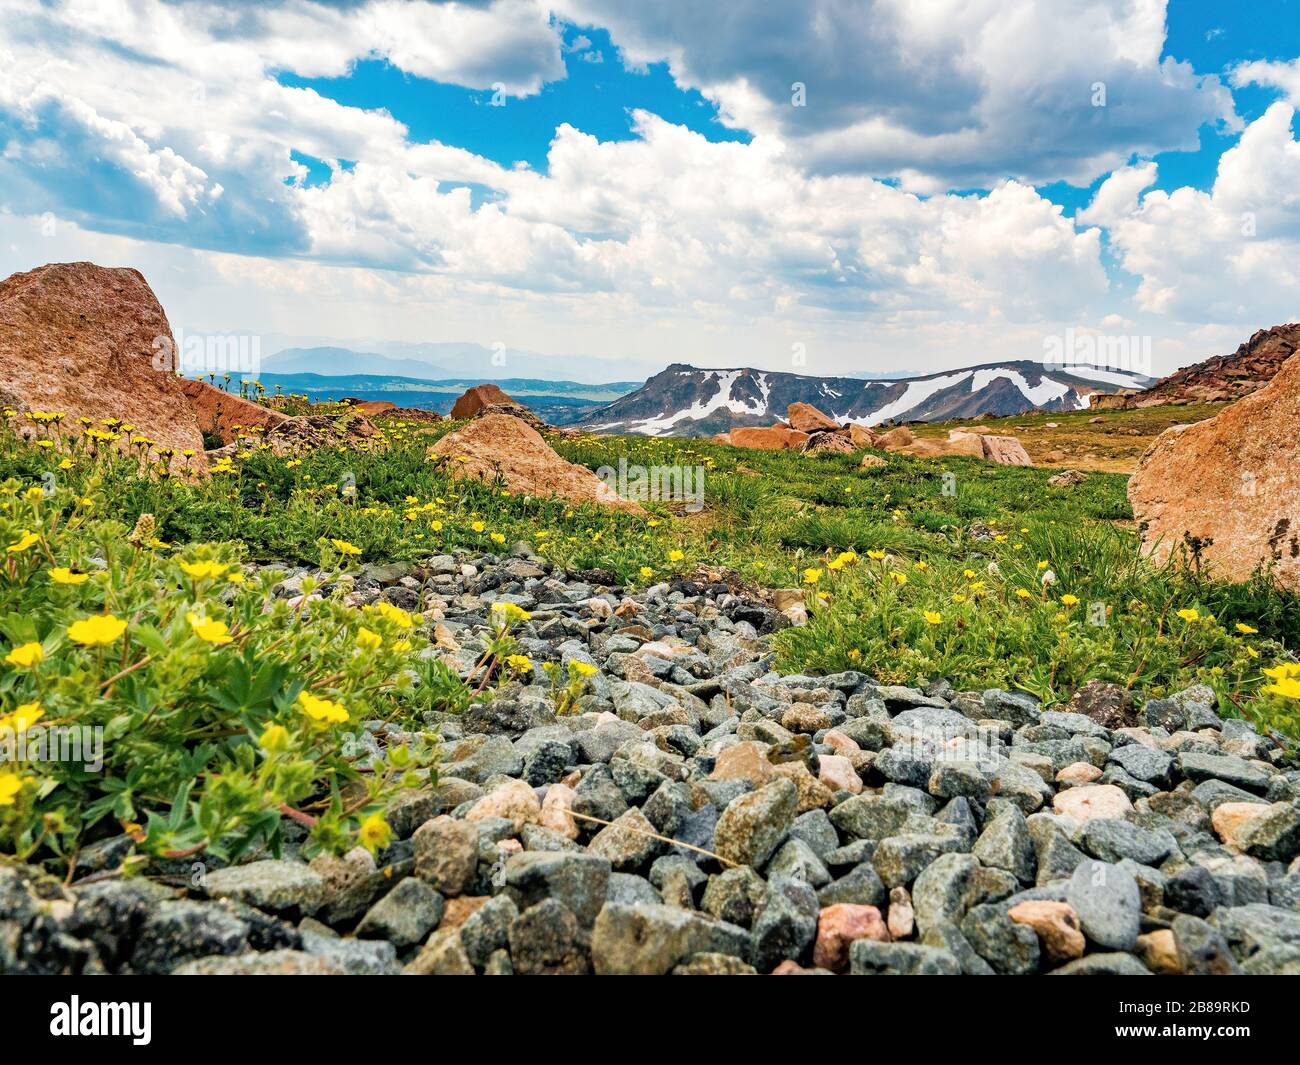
<point>150,129</point>
<point>1231,254</point>
<point>1274,75</point>
<point>941,93</point>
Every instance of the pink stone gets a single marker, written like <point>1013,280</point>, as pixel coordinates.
<point>1056,924</point>
<point>1231,819</point>
<point>902,917</point>
<point>555,811</point>
<point>842,743</point>
<point>838,774</point>
<point>515,801</point>
<point>1078,773</point>
<point>1092,800</point>
<point>838,926</point>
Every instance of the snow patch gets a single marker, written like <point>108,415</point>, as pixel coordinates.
<point>720,399</point>
<point>916,393</point>
<point>1042,393</point>
<point>1105,375</point>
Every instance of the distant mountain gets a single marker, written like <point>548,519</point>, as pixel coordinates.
<point>557,402</point>
<point>1223,378</point>
<point>439,360</point>
<point>334,362</point>
<point>688,401</point>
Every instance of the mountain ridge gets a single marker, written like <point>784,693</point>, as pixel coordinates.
<point>694,401</point>
<point>1220,378</point>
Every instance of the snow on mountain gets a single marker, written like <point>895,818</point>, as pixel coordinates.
<point>689,401</point>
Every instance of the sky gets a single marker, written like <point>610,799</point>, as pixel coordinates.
<point>829,187</point>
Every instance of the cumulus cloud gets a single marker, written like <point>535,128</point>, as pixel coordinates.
<point>1231,254</point>
<point>170,125</point>
<point>940,93</point>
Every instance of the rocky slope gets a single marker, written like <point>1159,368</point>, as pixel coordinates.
<point>1222,379</point>
<point>702,814</point>
<point>687,401</point>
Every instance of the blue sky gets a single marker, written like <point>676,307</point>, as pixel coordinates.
<point>883,184</point>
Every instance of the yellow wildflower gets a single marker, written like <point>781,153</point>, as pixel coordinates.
<point>26,656</point>
<point>23,542</point>
<point>10,785</point>
<point>374,833</point>
<point>209,630</point>
<point>203,571</point>
<point>96,631</point>
<point>345,548</point>
<point>933,617</point>
<point>274,740</point>
<point>1189,614</point>
<point>368,640</point>
<point>326,711</point>
<point>63,575</point>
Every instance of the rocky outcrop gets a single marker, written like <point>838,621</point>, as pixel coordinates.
<point>1222,379</point>
<point>225,416</point>
<point>1227,490</point>
<point>476,399</point>
<point>93,342</point>
<point>500,447</point>
<point>371,407</point>
<point>292,436</point>
<point>1003,450</point>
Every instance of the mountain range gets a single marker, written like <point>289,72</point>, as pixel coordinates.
<point>557,402</point>
<point>438,360</point>
<point>688,401</point>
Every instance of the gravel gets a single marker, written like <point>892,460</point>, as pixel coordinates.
<point>735,821</point>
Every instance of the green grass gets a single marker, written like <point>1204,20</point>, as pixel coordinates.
<point>770,516</point>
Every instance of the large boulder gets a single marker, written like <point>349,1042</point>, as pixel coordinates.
<point>768,438</point>
<point>861,436</point>
<point>477,398</point>
<point>837,442</point>
<point>500,446</point>
<point>225,416</point>
<point>1229,487</point>
<point>957,444</point>
<point>93,342</point>
<point>808,419</point>
<point>1006,451</point>
<point>895,439</point>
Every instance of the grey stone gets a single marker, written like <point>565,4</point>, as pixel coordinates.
<point>274,885</point>
<point>785,925</point>
<point>753,826</point>
<point>1005,844</point>
<point>867,957</point>
<point>446,855</point>
<point>1108,903</point>
<point>1011,948</point>
<point>651,940</point>
<point>487,929</point>
<point>405,915</point>
<point>578,880</point>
